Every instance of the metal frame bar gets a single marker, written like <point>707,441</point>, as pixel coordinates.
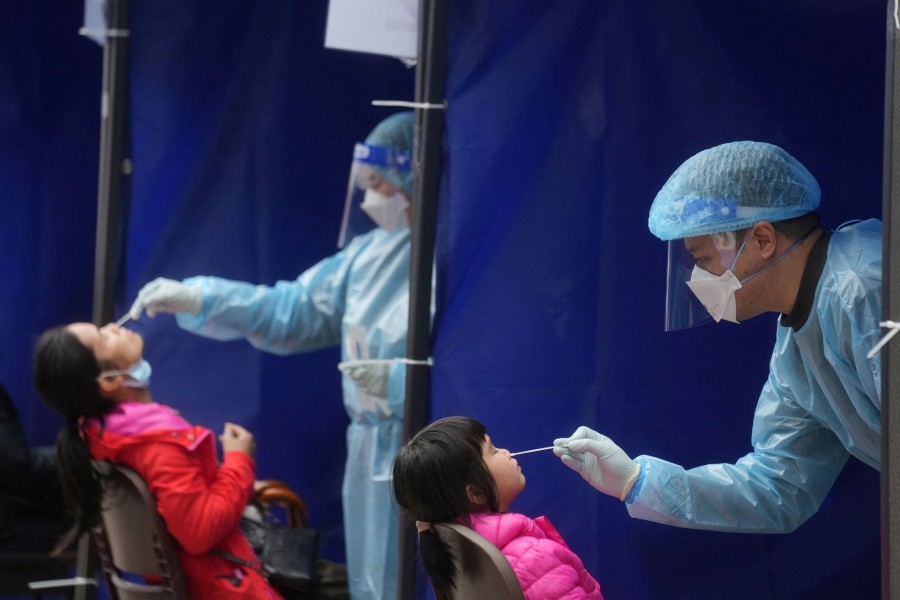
<point>890,353</point>
<point>430,80</point>
<point>113,166</point>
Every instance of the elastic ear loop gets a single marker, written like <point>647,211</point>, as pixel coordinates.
<point>776,261</point>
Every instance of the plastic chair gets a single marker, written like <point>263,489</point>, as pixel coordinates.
<point>483,571</point>
<point>133,543</point>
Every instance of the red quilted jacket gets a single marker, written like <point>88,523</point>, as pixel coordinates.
<point>200,501</point>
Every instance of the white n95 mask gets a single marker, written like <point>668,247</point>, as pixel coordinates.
<point>388,212</point>
<point>716,293</point>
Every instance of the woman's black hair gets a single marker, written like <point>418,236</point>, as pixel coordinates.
<point>430,478</point>
<point>65,375</point>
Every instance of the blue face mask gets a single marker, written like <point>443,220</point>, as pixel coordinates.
<point>137,375</point>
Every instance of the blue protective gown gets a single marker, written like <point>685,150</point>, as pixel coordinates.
<point>820,404</point>
<point>357,298</point>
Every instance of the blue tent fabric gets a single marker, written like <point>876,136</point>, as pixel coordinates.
<point>49,136</point>
<point>563,122</point>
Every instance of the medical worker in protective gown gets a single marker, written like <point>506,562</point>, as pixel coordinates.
<point>357,298</point>
<point>745,240</point>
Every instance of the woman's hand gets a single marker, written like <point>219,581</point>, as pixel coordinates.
<point>235,438</point>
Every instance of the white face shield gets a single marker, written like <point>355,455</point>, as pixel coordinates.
<point>700,285</point>
<point>363,205</point>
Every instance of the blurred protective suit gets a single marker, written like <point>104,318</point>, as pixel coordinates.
<point>358,299</point>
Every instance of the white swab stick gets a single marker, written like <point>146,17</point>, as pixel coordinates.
<point>535,450</point>
<point>123,320</point>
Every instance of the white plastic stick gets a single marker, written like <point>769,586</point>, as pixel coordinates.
<point>535,450</point>
<point>123,320</point>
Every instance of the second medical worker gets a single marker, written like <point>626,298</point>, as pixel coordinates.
<point>358,299</point>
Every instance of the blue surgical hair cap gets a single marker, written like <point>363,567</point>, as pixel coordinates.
<point>397,132</point>
<point>731,187</point>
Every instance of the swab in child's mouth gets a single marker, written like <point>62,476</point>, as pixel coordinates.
<point>535,450</point>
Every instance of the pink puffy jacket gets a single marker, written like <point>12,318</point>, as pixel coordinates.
<point>540,558</point>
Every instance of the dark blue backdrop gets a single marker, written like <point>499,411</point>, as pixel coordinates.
<point>49,132</point>
<point>564,120</point>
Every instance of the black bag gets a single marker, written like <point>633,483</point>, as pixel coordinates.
<point>288,554</point>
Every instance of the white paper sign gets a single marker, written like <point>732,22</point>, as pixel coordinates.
<point>386,27</point>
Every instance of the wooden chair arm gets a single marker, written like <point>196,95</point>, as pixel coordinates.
<point>273,492</point>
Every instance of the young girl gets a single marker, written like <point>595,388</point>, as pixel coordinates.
<point>450,471</point>
<point>97,379</point>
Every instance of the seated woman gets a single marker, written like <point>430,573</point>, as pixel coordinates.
<point>451,471</point>
<point>98,380</point>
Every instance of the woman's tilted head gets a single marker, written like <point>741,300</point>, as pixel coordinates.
<point>79,369</point>
<point>65,375</point>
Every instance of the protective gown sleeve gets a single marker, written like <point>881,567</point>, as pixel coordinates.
<point>291,316</point>
<point>198,514</point>
<point>773,489</point>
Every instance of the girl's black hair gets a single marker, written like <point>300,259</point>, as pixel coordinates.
<point>65,375</point>
<point>430,477</point>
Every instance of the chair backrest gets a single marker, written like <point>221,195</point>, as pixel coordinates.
<point>483,571</point>
<point>272,493</point>
<point>138,557</point>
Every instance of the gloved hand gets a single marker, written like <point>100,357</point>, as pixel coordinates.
<point>371,379</point>
<point>166,295</point>
<point>599,461</point>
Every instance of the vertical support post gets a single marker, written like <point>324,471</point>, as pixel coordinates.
<point>430,76</point>
<point>890,353</point>
<point>113,109</point>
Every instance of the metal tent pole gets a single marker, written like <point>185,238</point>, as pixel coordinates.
<point>111,189</point>
<point>890,353</point>
<point>430,76</point>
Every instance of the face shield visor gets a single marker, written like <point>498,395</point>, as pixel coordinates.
<point>370,183</point>
<point>701,268</point>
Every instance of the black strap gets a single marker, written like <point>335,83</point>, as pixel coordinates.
<point>238,560</point>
